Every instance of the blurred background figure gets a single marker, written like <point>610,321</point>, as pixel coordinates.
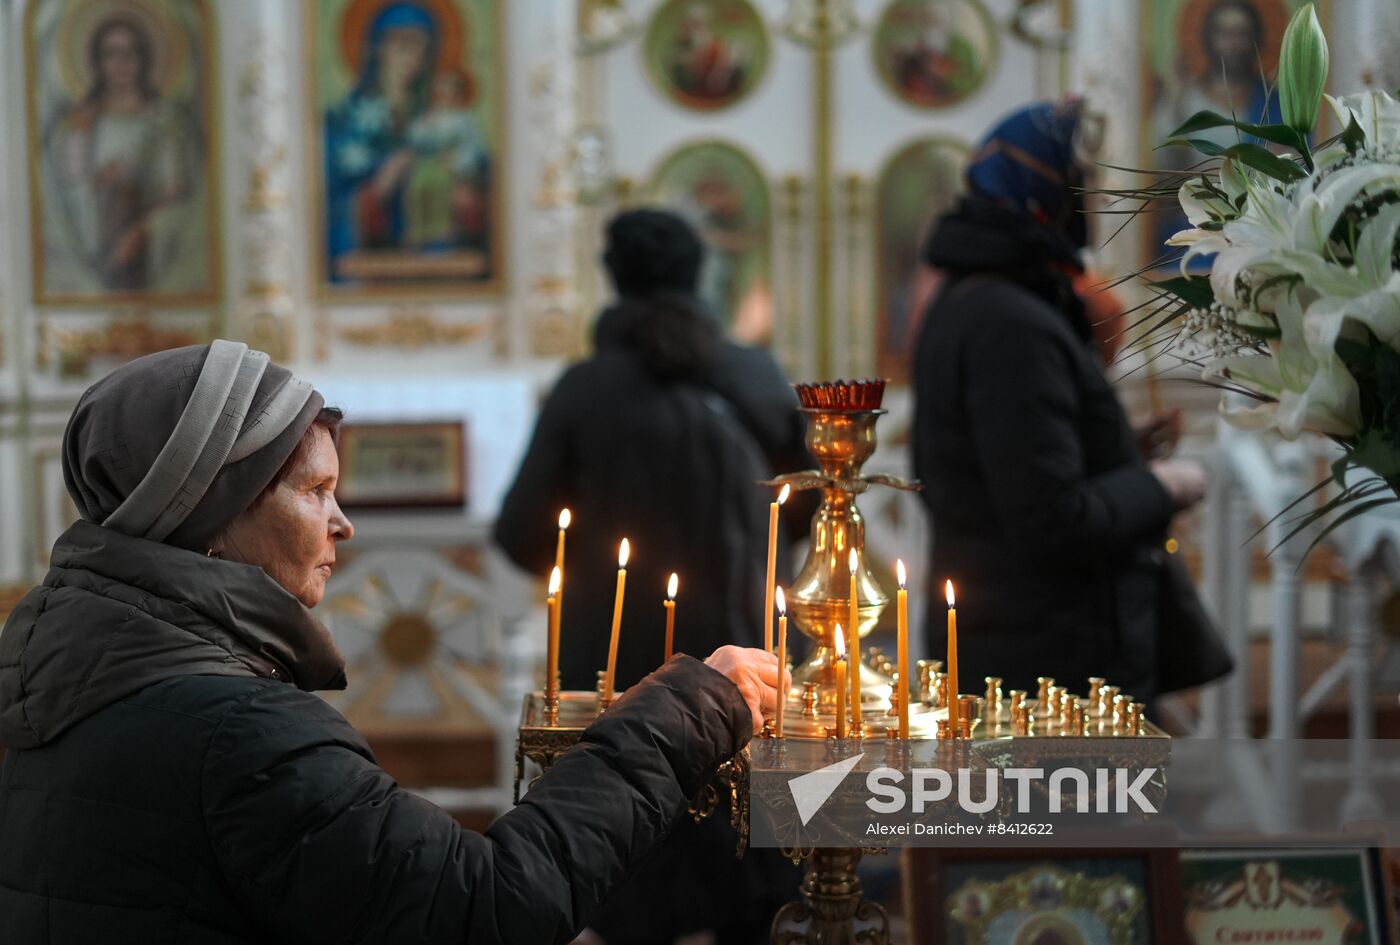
<point>1048,516</point>
<point>661,437</point>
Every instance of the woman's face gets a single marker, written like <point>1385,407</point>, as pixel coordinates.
<point>292,533</point>
<point>402,54</point>
<point>119,59</point>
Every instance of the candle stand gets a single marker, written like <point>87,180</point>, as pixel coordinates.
<point>997,729</point>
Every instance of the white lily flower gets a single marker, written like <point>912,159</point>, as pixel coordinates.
<point>1258,417</point>
<point>1188,237</point>
<point>1318,212</point>
<point>1202,206</point>
<point>1276,264</point>
<point>1377,114</point>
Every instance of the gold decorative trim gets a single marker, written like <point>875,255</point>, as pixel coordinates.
<point>414,329</point>
<point>126,337</point>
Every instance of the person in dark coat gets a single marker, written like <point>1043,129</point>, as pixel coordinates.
<point>662,437</point>
<point>1046,515</point>
<point>169,775</point>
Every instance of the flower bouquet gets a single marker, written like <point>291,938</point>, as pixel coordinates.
<point>1300,310</point>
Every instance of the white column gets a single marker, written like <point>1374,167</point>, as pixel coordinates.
<point>16,514</point>
<point>548,273</point>
<point>1215,585</point>
<point>257,50</point>
<point>1285,567</point>
<point>1237,687</point>
<point>1366,45</point>
<point>1362,800</point>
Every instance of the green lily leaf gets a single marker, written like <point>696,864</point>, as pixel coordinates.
<point>1353,137</point>
<point>1265,161</point>
<point>1260,332</point>
<point>1373,452</point>
<point>1200,145</point>
<point>1206,119</point>
<point>1302,71</point>
<point>1193,290</point>
<point>1201,121</point>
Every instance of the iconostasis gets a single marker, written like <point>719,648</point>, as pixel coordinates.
<point>403,200</point>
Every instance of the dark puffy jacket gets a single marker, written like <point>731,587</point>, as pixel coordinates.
<point>169,781</point>
<point>671,465</point>
<point>1044,516</point>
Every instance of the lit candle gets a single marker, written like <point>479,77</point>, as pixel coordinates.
<point>840,684</point>
<point>610,678</point>
<point>782,657</point>
<point>772,566</point>
<point>551,678</point>
<point>902,658</point>
<point>853,629</point>
<point>952,660</point>
<point>671,587</point>
<point>565,517</point>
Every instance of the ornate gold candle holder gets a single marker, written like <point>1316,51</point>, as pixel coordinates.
<point>841,419</point>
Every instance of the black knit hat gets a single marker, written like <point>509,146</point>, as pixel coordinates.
<point>652,251</point>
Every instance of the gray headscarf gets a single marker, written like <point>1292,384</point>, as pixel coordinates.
<point>173,446</point>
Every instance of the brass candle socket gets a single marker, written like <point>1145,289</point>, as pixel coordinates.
<point>1042,699</point>
<point>819,597</point>
<point>993,698</point>
<point>1069,704</point>
<point>927,670</point>
<point>1110,696</point>
<point>1021,720</point>
<point>967,713</point>
<point>1120,713</point>
<point>1096,684</point>
<point>605,698</point>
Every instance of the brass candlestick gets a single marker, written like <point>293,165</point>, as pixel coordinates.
<point>841,421</point>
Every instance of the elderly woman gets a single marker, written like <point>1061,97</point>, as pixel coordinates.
<point>1048,509</point>
<point>170,776</point>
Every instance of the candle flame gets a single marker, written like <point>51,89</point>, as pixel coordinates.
<point>840,642</point>
<point>672,585</point>
<point>948,592</point>
<point>780,599</point>
<point>565,517</point>
<point>784,493</point>
<point>854,560</point>
<point>624,551</point>
<point>899,570</point>
<point>556,580</point>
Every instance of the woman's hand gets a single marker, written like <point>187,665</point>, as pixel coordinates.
<point>1157,438</point>
<point>1184,480</point>
<point>755,672</point>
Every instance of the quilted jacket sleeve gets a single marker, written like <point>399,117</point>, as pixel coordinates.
<point>320,845</point>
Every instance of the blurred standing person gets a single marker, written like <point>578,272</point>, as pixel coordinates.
<point>661,437</point>
<point>1048,514</point>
